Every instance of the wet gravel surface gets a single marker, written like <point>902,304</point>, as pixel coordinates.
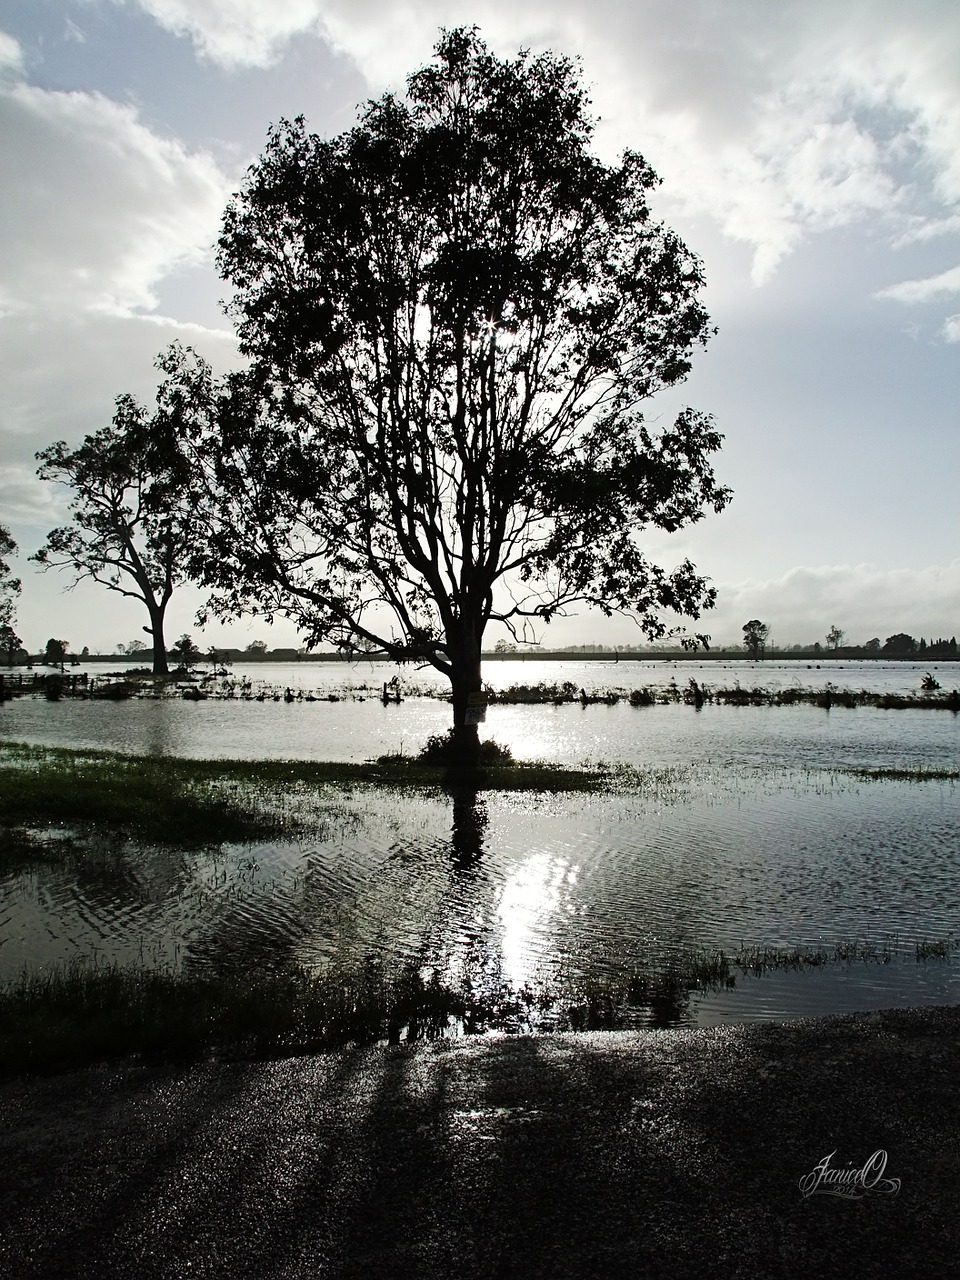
<point>675,1153</point>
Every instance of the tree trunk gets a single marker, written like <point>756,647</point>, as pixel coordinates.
<point>465,679</point>
<point>155,630</point>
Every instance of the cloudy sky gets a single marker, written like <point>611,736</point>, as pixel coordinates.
<point>809,151</point>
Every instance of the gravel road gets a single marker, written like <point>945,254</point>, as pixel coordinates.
<point>674,1154</point>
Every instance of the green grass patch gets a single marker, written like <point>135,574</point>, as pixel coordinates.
<point>828,698</point>
<point>496,770</point>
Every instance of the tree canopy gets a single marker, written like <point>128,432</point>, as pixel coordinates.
<point>454,312</point>
<point>755,635</point>
<point>10,642</point>
<point>9,585</point>
<point>185,651</point>
<point>55,653</point>
<point>132,512</point>
<point>900,645</point>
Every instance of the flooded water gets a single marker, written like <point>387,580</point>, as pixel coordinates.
<point>747,829</point>
<point>358,726</point>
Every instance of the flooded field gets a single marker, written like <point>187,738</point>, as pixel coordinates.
<point>816,850</point>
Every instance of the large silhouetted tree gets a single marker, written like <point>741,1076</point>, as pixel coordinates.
<point>132,510</point>
<point>454,313</point>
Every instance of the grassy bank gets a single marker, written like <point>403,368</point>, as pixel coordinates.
<point>192,803</point>
<point>65,1017</point>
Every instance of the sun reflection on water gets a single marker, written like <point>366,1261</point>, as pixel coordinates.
<point>539,889</point>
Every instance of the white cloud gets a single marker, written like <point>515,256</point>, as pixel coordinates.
<point>24,499</point>
<point>778,125</point>
<point>951,329</point>
<point>911,291</point>
<point>74,33</point>
<point>236,33</point>
<point>921,230</point>
<point>95,209</point>
<point>62,373</point>
<point>11,56</point>
<point>799,173</point>
<point>804,602</point>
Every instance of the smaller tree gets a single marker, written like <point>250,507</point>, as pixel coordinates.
<point>755,634</point>
<point>218,660</point>
<point>834,638</point>
<point>900,646</point>
<point>9,585</point>
<point>873,646</point>
<point>185,651</point>
<point>10,642</point>
<point>55,653</point>
<point>257,650</point>
<point>133,513</point>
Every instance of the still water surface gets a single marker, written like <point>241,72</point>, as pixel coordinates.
<point>747,829</point>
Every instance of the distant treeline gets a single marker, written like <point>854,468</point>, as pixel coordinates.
<point>901,647</point>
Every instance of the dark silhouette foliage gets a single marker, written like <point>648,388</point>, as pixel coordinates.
<point>899,646</point>
<point>9,585</point>
<point>454,313</point>
<point>755,634</point>
<point>132,509</point>
<point>55,653</point>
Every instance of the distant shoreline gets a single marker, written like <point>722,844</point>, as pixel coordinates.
<point>239,658</point>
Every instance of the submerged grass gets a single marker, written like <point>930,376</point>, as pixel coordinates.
<point>155,799</point>
<point>907,775</point>
<point>498,772</point>
<point>694,694</point>
<point>67,1016</point>
<point>64,1017</point>
<point>941,949</point>
<point>195,802</point>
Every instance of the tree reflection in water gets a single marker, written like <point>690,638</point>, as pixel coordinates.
<point>469,827</point>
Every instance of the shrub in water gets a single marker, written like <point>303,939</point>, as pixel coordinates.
<point>440,750</point>
<point>642,698</point>
<point>118,692</point>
